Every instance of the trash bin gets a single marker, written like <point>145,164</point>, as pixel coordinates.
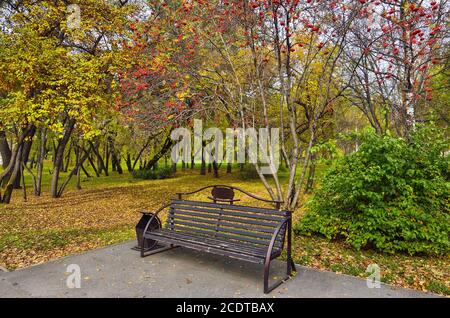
<point>140,227</point>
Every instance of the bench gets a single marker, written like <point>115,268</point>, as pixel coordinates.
<point>221,227</point>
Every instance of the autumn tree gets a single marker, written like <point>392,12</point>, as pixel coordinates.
<point>58,76</point>
<point>158,86</point>
<point>290,49</point>
<point>402,45</point>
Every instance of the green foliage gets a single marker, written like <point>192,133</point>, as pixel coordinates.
<point>326,151</point>
<point>50,72</point>
<point>150,174</point>
<point>438,287</point>
<point>390,195</point>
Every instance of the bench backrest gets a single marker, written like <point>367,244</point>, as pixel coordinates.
<point>241,224</point>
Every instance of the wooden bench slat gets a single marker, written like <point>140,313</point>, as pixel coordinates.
<point>211,242</point>
<point>226,212</point>
<point>231,207</point>
<point>236,238</point>
<point>216,229</point>
<point>268,224</point>
<point>252,243</point>
<point>219,221</point>
<point>215,250</point>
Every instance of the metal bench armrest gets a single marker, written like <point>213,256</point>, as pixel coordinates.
<point>274,237</point>
<point>154,215</point>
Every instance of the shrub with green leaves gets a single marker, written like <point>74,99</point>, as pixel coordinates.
<point>391,195</point>
<point>150,174</point>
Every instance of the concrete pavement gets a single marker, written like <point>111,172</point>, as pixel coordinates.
<point>118,271</point>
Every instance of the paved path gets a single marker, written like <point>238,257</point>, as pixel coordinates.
<point>118,271</point>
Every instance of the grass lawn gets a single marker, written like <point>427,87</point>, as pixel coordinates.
<point>106,210</point>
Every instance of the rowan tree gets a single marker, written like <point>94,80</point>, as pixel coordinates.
<point>402,43</point>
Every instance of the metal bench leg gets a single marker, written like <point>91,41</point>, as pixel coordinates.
<point>290,261</point>
<point>157,250</point>
<point>292,267</point>
<point>267,288</point>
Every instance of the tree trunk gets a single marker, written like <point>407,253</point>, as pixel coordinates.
<point>101,163</point>
<point>106,160</point>
<point>5,151</point>
<point>67,164</point>
<point>79,178</point>
<point>203,164</point>
<point>128,162</point>
<point>311,174</point>
<point>24,187</point>
<point>12,170</point>
<point>25,155</point>
<point>33,161</point>
<point>16,162</point>
<point>229,167</point>
<point>71,174</point>
<point>59,157</point>
<point>139,156</point>
<point>91,162</point>
<point>203,167</point>
<point>115,160</point>
<point>215,169</point>
<point>40,162</point>
<point>78,165</point>
<point>112,151</point>
<point>85,171</point>
<point>164,149</point>
<point>27,145</point>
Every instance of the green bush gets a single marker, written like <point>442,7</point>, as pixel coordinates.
<point>150,174</point>
<point>390,195</point>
